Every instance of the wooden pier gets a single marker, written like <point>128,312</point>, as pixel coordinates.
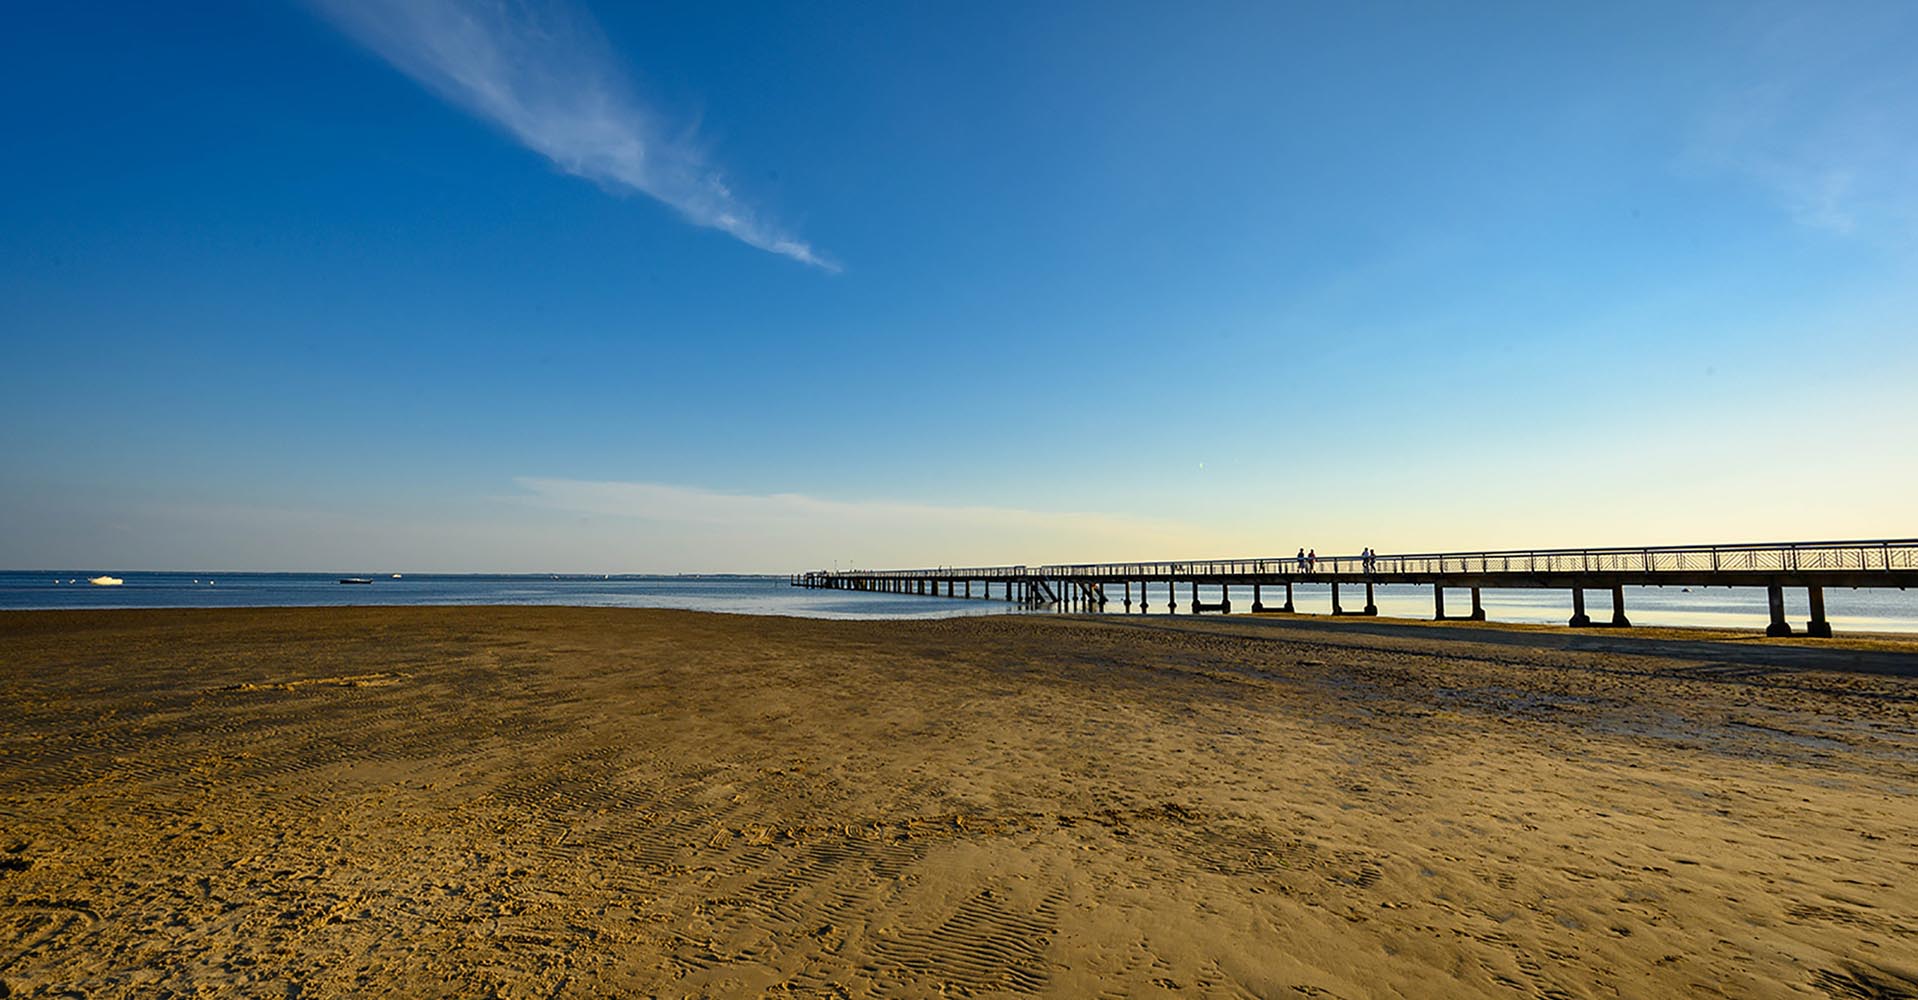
<point>1773,566</point>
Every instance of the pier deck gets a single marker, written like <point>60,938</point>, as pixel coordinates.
<point>1774,566</point>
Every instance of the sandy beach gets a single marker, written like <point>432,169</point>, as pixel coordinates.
<point>536,802</point>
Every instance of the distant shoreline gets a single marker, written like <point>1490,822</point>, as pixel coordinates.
<point>1885,651</point>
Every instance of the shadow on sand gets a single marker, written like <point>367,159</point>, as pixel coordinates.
<point>1723,654</point>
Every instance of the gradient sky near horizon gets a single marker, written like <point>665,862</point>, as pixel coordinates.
<point>464,285</point>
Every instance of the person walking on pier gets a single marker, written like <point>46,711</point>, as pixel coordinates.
<point>1303,568</point>
<point>1312,560</point>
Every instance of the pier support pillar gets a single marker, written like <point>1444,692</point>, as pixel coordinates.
<point>1257,605</point>
<point>1478,606</point>
<point>1775,597</point>
<point>1618,607</point>
<point>1195,596</point>
<point>1818,626</point>
<point>1579,618</point>
<point>1370,607</point>
<point>1438,602</point>
<point>1128,595</point>
<point>1225,598</point>
<point>1171,596</point>
<point>1288,596</point>
<point>1335,599</point>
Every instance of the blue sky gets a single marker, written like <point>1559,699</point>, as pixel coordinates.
<point>456,285</point>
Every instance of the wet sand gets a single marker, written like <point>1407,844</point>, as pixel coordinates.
<point>533,802</point>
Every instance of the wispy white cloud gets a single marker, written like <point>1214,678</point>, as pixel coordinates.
<point>1815,109</point>
<point>791,529</point>
<point>542,71</point>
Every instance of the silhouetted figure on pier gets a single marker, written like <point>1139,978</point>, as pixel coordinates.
<point>1303,567</point>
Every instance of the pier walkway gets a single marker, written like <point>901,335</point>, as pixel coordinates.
<point>1771,565</point>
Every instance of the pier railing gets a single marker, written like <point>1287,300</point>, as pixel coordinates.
<point>1778,557</point>
<point>939,573</point>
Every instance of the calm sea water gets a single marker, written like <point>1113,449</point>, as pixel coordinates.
<point>1849,610</point>
<point>753,595</point>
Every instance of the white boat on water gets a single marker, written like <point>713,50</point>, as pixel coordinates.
<point>105,581</point>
